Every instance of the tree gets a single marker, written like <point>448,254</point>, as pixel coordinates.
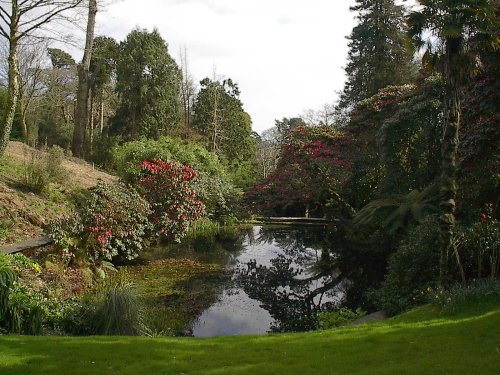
<point>84,83</point>
<point>102,89</point>
<point>32,62</point>
<point>54,114</point>
<point>312,165</point>
<point>219,116</point>
<point>378,53</point>
<point>461,28</point>
<point>148,81</point>
<point>188,92</point>
<point>20,20</point>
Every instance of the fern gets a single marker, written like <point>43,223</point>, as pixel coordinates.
<point>399,211</point>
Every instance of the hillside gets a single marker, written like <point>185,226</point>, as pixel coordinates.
<point>422,341</point>
<point>24,213</point>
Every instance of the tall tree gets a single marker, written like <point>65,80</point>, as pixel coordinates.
<point>219,116</point>
<point>84,83</point>
<point>102,90</point>
<point>461,29</point>
<point>32,57</point>
<point>17,21</point>
<point>148,83</point>
<point>379,54</point>
<point>188,91</point>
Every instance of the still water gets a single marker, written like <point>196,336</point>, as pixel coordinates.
<point>278,279</point>
<point>274,272</point>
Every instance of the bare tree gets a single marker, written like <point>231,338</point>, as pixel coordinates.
<point>325,115</point>
<point>188,90</point>
<point>268,151</point>
<point>18,20</point>
<point>32,63</point>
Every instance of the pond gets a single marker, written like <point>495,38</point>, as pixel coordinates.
<point>263,279</point>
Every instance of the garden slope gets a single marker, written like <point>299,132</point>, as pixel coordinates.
<point>22,213</point>
<point>419,342</point>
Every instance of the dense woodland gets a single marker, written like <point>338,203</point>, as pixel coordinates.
<point>405,164</point>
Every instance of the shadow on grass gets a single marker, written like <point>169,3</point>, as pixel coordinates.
<point>413,344</point>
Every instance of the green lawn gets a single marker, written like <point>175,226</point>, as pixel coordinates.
<point>419,342</point>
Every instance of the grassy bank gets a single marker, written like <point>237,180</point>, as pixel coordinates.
<point>419,342</point>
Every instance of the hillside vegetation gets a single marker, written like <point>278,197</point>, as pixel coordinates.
<point>24,213</point>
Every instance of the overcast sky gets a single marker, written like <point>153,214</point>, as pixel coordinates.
<point>286,55</point>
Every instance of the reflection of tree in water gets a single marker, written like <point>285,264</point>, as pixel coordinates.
<point>300,282</point>
<point>294,288</point>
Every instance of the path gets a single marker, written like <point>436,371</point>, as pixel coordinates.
<point>25,245</point>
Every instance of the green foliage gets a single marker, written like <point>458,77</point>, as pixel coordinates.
<point>399,211</point>
<point>148,82</point>
<point>479,246</point>
<point>5,226</point>
<point>128,157</point>
<point>116,308</point>
<point>212,184</point>
<point>60,59</point>
<point>7,279</point>
<point>111,223</point>
<point>333,319</point>
<point>412,269</point>
<point>221,199</point>
<point>379,54</point>
<point>457,296</point>
<point>42,168</point>
<point>24,309</point>
<point>220,118</point>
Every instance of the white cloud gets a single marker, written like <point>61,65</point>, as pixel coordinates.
<point>286,55</point>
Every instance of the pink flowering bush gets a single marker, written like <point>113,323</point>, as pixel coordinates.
<point>168,187</point>
<point>111,223</point>
<point>313,161</point>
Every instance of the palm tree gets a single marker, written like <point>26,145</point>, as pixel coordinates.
<point>457,31</point>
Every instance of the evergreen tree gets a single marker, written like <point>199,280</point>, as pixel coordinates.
<point>219,116</point>
<point>379,54</point>
<point>148,84</point>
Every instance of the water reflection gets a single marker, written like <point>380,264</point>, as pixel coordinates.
<point>283,277</point>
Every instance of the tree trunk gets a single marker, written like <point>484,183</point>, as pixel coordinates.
<point>13,90</point>
<point>23,107</point>
<point>82,95</point>
<point>449,148</point>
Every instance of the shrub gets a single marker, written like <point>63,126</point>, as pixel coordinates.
<point>112,308</point>
<point>221,199</point>
<point>453,298</point>
<point>168,187</point>
<point>41,168</point>
<point>7,278</point>
<point>479,246</point>
<point>128,157</point>
<point>112,222</point>
<point>23,308</point>
<point>332,319</point>
<point>412,269</point>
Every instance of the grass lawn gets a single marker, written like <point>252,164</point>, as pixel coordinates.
<point>419,342</point>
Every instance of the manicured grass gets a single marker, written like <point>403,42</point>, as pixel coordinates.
<point>419,342</point>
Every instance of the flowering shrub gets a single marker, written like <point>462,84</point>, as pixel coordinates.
<point>111,223</point>
<point>312,162</point>
<point>168,187</point>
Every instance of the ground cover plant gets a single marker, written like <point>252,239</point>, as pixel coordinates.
<point>421,341</point>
